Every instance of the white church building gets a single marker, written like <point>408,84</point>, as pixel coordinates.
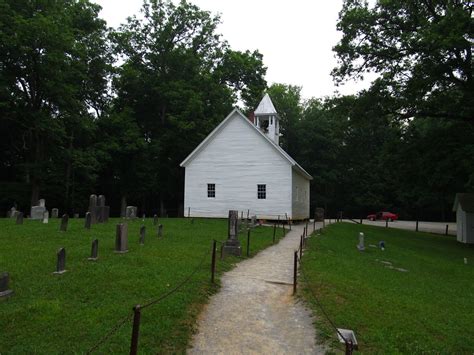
<point>240,166</point>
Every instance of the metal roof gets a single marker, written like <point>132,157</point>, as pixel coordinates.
<point>466,200</point>
<point>265,107</point>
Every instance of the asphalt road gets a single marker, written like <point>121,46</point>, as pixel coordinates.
<point>431,227</point>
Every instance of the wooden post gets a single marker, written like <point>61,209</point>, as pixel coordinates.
<point>248,242</point>
<point>447,227</point>
<point>386,223</point>
<point>135,330</point>
<point>416,229</point>
<point>295,271</point>
<point>361,221</point>
<point>274,232</point>
<point>213,261</point>
<point>189,211</point>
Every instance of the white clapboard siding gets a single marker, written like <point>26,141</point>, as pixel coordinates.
<point>300,199</point>
<point>236,160</point>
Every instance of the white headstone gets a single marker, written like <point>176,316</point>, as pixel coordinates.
<point>45,217</point>
<point>361,245</point>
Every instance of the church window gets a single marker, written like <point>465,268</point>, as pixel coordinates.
<point>261,192</point>
<point>211,190</point>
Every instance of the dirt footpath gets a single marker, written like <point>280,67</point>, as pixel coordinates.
<point>255,312</point>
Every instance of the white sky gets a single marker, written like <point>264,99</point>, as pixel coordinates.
<point>295,37</point>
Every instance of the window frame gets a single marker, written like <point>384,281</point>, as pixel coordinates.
<point>261,191</point>
<point>211,190</point>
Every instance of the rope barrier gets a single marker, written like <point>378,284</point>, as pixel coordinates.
<point>110,333</point>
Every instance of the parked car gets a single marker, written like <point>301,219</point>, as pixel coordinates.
<point>383,216</point>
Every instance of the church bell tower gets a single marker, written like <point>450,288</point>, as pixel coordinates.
<point>267,119</point>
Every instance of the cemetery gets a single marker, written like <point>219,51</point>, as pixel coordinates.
<point>66,285</point>
<point>399,291</point>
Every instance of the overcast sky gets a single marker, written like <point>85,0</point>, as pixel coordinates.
<point>295,37</point>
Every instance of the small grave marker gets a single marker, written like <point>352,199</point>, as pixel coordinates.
<point>19,218</point>
<point>61,262</point>
<point>45,217</point>
<point>142,235</point>
<point>4,280</point>
<point>232,244</point>
<point>361,246</point>
<point>54,213</point>
<point>121,238</point>
<point>160,231</point>
<point>131,212</point>
<point>64,223</point>
<point>155,220</point>
<point>94,250</point>
<point>382,245</point>
<point>88,221</point>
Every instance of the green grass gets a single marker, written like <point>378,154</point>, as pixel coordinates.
<point>69,313</point>
<point>429,309</point>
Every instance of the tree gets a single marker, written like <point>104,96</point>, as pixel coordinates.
<point>422,51</point>
<point>53,70</point>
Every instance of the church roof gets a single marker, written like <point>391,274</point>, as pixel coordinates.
<point>466,200</point>
<point>265,107</point>
<point>240,115</point>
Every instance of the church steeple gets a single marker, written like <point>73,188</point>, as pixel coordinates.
<point>267,119</point>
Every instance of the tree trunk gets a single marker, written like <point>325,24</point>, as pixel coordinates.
<point>35,183</point>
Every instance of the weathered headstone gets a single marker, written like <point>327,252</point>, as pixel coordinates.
<point>142,235</point>
<point>54,213</point>
<point>319,214</point>
<point>19,218</point>
<point>99,211</point>
<point>253,221</point>
<point>93,208</point>
<point>37,211</point>
<point>382,245</point>
<point>121,238</point>
<point>76,215</point>
<point>45,217</point>
<point>131,212</point>
<point>12,212</point>
<point>94,250</point>
<point>232,244</point>
<point>4,290</point>
<point>155,220</point>
<point>101,201</point>
<point>160,230</point>
<point>143,217</point>
<point>361,245</point>
<point>64,222</point>
<point>61,262</point>
<point>88,221</point>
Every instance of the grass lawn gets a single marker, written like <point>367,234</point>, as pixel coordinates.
<point>69,313</point>
<point>429,309</point>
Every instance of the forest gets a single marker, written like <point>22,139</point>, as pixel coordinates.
<point>87,109</point>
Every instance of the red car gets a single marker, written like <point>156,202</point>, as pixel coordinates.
<point>383,216</point>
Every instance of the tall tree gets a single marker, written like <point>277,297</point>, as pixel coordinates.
<point>53,70</point>
<point>422,51</point>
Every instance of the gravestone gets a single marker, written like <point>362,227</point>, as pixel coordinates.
<point>37,211</point>
<point>94,250</point>
<point>19,218</point>
<point>88,221</point>
<point>64,222</point>
<point>99,211</point>
<point>131,212</point>
<point>232,244</point>
<point>160,231</point>
<point>142,235</point>
<point>4,280</point>
<point>382,245</point>
<point>76,215</point>
<point>361,245</point>
<point>54,213</point>
<point>12,212</point>
<point>253,222</point>
<point>143,217</point>
<point>155,220</point>
<point>319,214</point>
<point>45,217</point>
<point>61,262</point>
<point>121,238</point>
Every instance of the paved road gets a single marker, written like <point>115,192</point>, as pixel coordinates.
<point>432,227</point>
<point>255,312</point>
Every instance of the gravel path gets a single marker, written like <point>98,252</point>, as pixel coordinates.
<point>255,312</point>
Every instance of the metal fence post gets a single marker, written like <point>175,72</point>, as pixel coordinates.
<point>274,232</point>
<point>416,226</point>
<point>248,242</point>
<point>301,246</point>
<point>386,223</point>
<point>213,261</point>
<point>447,226</point>
<point>295,271</point>
<point>135,329</point>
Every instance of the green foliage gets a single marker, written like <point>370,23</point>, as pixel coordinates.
<point>70,313</point>
<point>421,50</point>
<point>423,310</point>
